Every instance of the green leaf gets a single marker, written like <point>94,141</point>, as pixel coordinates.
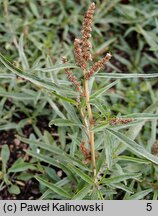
<point>81,174</point>
<point>1,175</point>
<point>24,75</point>
<point>134,131</point>
<point>52,173</point>
<point>20,166</point>
<point>131,187</point>
<point>14,189</point>
<point>94,194</point>
<point>123,60</point>
<point>55,150</point>
<point>132,159</point>
<point>72,112</point>
<point>55,108</point>
<point>100,127</point>
<point>140,195</point>
<point>120,178</point>
<point>63,182</point>
<point>57,67</point>
<point>55,162</point>
<point>54,188</point>
<point>69,100</point>
<point>17,96</point>
<point>75,162</point>
<point>104,46</point>
<point>103,90</point>
<point>48,192</point>
<point>108,143</point>
<point>133,146</point>
<point>122,187</point>
<point>82,193</point>
<point>62,122</point>
<point>24,176</point>
<point>51,148</point>
<point>22,55</point>
<point>150,37</point>
<point>5,154</point>
<point>48,139</point>
<point>44,158</point>
<point>155,195</point>
<point>7,76</point>
<point>124,76</point>
<point>34,9</point>
<point>100,195</point>
<point>8,126</point>
<point>141,116</point>
<point>45,83</point>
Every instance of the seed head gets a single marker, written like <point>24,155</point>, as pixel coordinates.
<point>72,78</point>
<point>155,148</point>
<point>78,54</point>
<point>116,121</point>
<point>86,33</point>
<point>97,66</point>
<point>86,152</point>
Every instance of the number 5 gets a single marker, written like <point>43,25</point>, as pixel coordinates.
<point>148,206</point>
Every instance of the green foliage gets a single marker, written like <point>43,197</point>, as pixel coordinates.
<point>33,85</point>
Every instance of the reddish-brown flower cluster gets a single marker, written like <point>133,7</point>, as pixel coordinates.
<point>72,78</point>
<point>82,52</point>
<point>98,65</point>
<point>86,33</point>
<point>78,54</point>
<point>116,121</point>
<point>82,46</point>
<point>155,148</point>
<point>86,152</point>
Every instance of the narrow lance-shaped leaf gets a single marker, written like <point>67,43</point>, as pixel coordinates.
<point>133,159</point>
<point>103,90</point>
<point>108,148</point>
<point>34,78</point>
<point>57,67</point>
<point>140,195</point>
<point>71,111</point>
<point>120,178</point>
<point>124,75</point>
<point>55,162</point>
<point>55,150</point>
<point>65,98</point>
<point>54,188</point>
<point>17,96</point>
<point>82,193</point>
<point>134,131</point>
<point>5,154</point>
<point>51,148</point>
<point>141,116</point>
<point>20,167</point>
<point>7,76</point>
<point>22,55</point>
<point>133,146</point>
<point>44,158</point>
<point>24,75</point>
<point>8,126</point>
<point>122,187</point>
<point>81,174</point>
<point>63,122</point>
